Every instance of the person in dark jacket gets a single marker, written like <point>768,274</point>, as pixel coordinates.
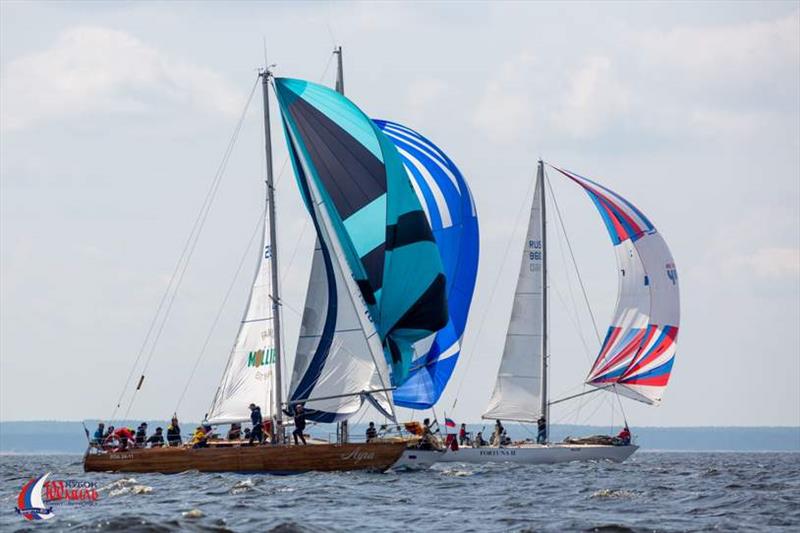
<point>257,432</point>
<point>99,435</point>
<point>235,433</point>
<point>299,423</point>
<point>541,426</point>
<point>156,440</point>
<point>372,433</point>
<point>141,435</point>
<point>174,433</point>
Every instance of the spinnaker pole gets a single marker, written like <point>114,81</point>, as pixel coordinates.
<point>272,249</point>
<point>545,407</point>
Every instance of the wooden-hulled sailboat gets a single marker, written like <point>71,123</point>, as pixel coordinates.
<point>377,287</point>
<point>634,361</point>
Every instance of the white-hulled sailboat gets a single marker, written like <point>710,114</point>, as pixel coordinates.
<point>634,361</point>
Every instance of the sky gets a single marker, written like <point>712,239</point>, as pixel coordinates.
<point>114,118</point>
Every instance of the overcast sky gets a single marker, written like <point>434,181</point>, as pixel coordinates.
<point>114,118</point>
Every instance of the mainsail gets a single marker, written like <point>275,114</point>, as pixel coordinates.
<point>450,210</point>
<point>250,373</point>
<point>368,216</point>
<point>639,348</point>
<point>518,390</point>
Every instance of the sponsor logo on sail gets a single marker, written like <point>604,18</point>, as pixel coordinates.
<point>261,358</point>
<point>38,496</point>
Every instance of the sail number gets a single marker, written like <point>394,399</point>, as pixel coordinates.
<point>535,253</point>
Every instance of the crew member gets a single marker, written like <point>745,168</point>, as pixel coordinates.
<point>462,435</point>
<point>255,419</point>
<point>624,436</point>
<point>372,433</point>
<point>156,440</point>
<point>99,435</point>
<point>299,423</point>
<point>541,425</point>
<point>174,433</point>
<point>426,442</point>
<point>141,435</point>
<point>200,438</point>
<point>235,433</point>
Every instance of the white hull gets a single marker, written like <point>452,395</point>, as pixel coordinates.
<point>418,459</point>
<point>539,454</point>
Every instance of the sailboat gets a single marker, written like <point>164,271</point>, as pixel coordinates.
<point>635,360</point>
<point>377,288</point>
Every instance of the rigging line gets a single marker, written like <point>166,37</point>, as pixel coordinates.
<point>195,236</point>
<point>572,254</point>
<point>181,258</point>
<point>586,351</point>
<point>221,308</point>
<point>511,240</point>
<point>621,408</point>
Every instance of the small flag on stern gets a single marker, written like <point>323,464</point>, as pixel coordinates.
<point>449,422</point>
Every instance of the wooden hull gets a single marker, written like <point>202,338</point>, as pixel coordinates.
<point>375,456</point>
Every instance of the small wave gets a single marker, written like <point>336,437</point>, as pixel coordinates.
<point>612,493</point>
<point>456,473</point>
<point>194,513</point>
<point>611,528</point>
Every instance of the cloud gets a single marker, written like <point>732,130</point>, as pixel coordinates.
<point>505,109</point>
<point>594,99</point>
<point>95,69</point>
<point>774,263</point>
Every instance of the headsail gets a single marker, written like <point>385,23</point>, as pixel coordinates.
<point>639,349</point>
<point>518,391</point>
<point>335,356</point>
<point>368,215</point>
<point>450,210</point>
<point>250,373</point>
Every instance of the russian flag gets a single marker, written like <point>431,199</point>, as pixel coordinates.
<point>448,422</point>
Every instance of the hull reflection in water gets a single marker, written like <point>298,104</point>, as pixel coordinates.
<point>375,456</point>
<point>539,454</point>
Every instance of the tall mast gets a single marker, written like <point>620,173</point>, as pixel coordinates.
<point>342,429</point>
<point>545,404</point>
<point>339,70</point>
<point>273,250</point>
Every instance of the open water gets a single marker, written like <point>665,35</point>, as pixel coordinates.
<point>652,491</point>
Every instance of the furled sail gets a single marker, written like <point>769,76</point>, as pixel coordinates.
<point>637,354</point>
<point>518,390</point>
<point>450,210</point>
<point>369,216</point>
<point>335,358</point>
<point>250,373</point>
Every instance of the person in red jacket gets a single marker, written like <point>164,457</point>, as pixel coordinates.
<point>624,436</point>
<point>123,435</point>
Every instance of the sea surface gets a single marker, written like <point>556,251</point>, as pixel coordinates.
<point>652,491</point>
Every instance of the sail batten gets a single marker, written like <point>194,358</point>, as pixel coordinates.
<point>638,352</point>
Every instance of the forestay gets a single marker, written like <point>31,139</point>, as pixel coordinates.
<point>250,372</point>
<point>518,389</point>
<point>368,215</point>
<point>637,354</point>
<point>450,211</point>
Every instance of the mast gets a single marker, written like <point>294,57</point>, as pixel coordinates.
<point>545,404</point>
<point>342,434</point>
<point>273,250</point>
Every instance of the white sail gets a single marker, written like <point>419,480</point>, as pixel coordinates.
<point>334,357</point>
<point>517,392</point>
<point>250,373</point>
